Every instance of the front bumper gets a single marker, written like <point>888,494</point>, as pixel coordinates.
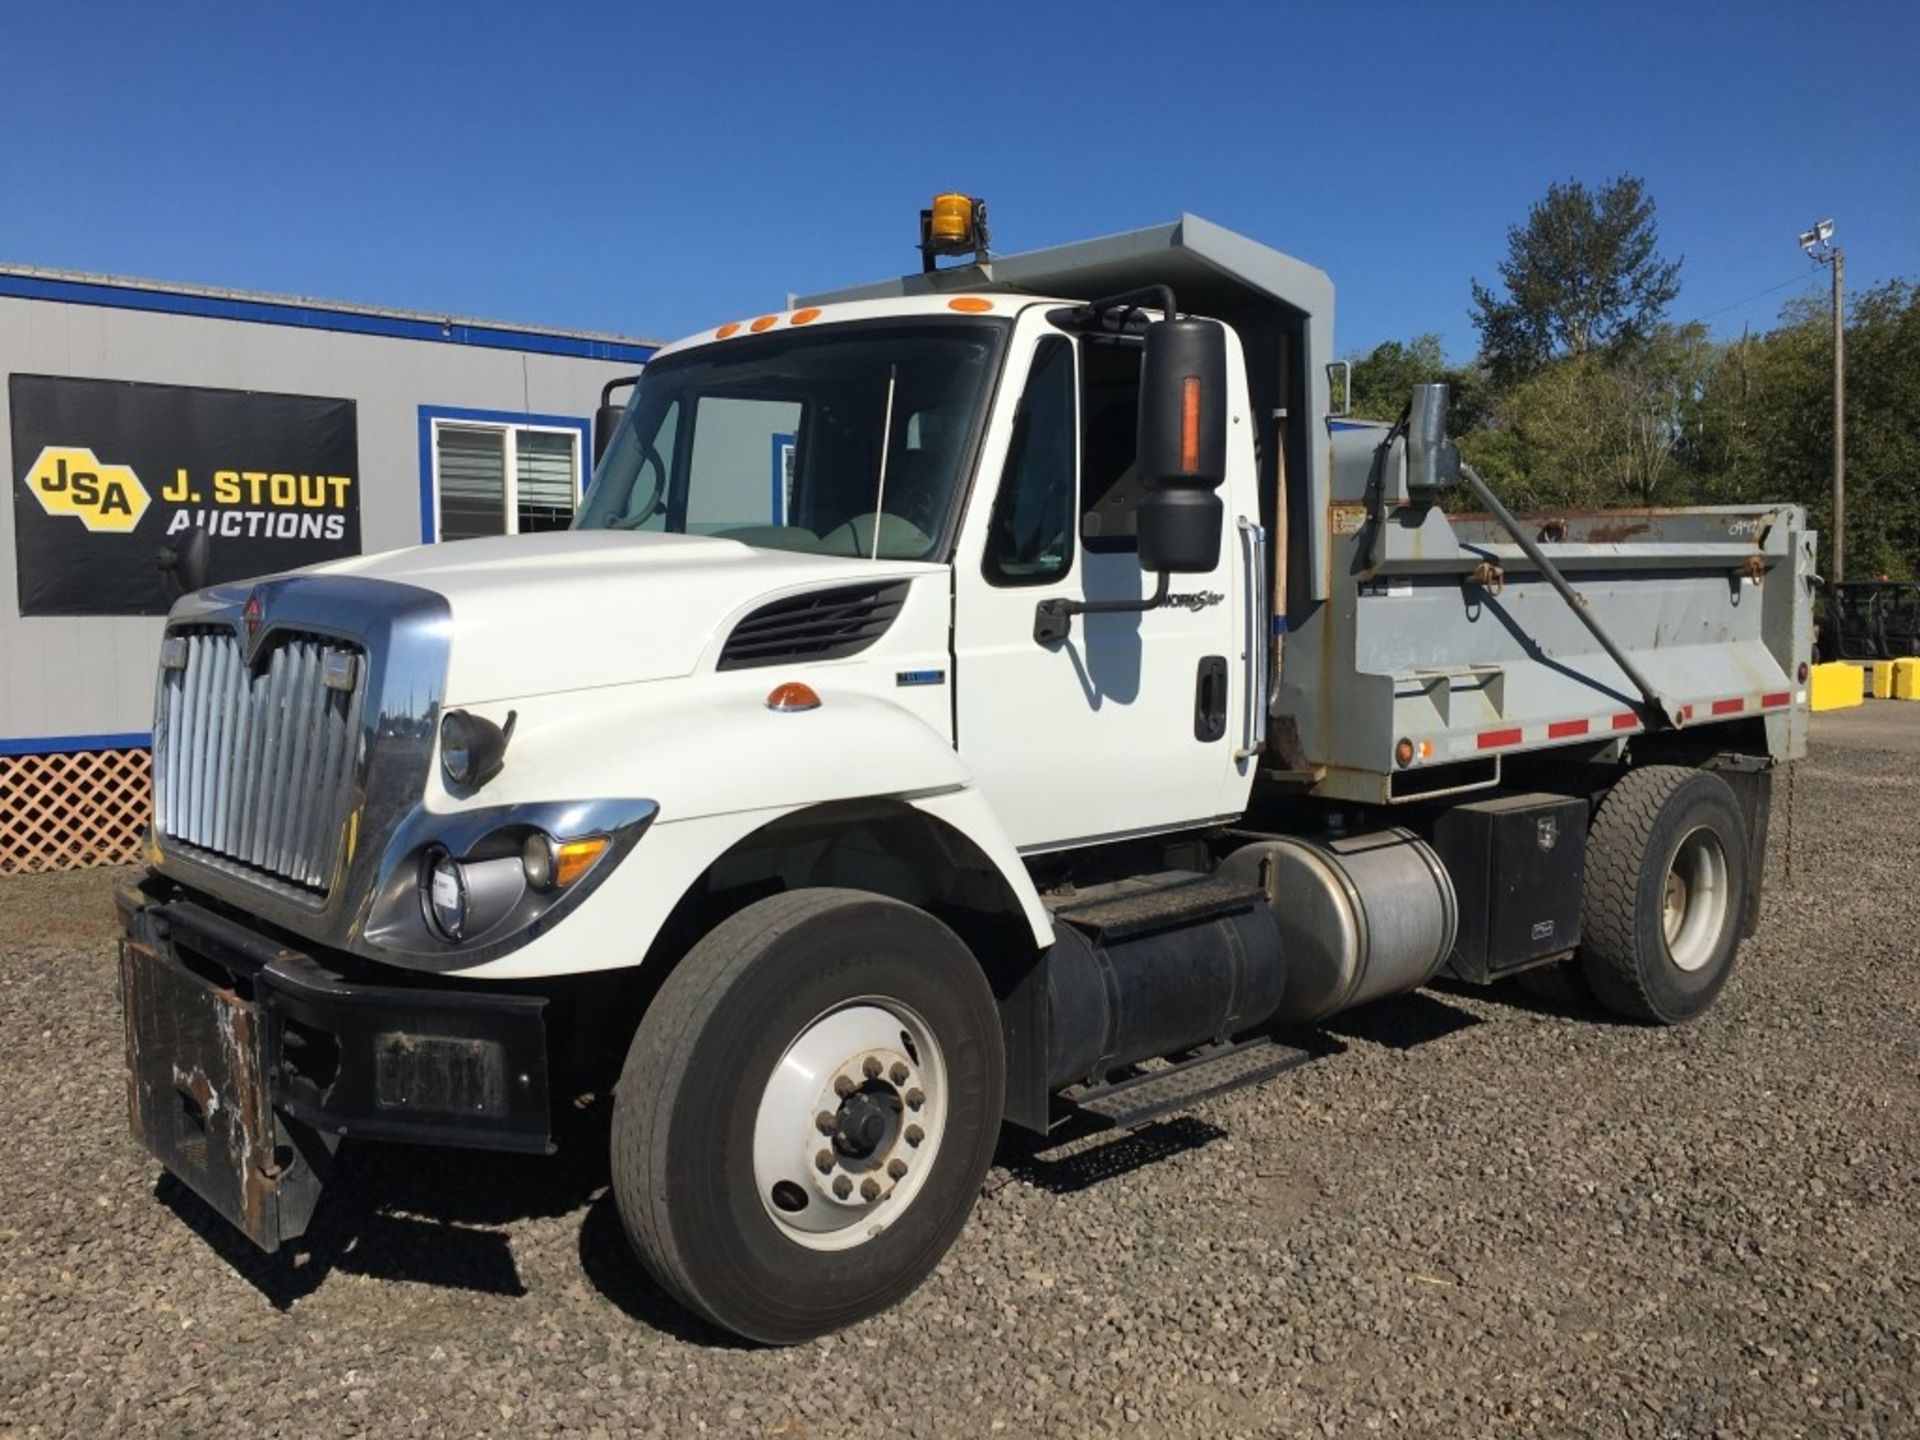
<point>247,1061</point>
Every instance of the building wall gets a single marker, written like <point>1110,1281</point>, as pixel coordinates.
<point>87,682</point>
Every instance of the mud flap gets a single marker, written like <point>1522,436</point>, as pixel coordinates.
<point>198,1098</point>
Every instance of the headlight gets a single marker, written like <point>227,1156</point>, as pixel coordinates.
<point>445,884</point>
<point>473,748</point>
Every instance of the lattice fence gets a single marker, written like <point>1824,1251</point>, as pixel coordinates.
<point>66,812</point>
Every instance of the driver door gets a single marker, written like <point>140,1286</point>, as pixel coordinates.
<point>1110,732</point>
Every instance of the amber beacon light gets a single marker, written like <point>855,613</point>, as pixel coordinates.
<point>955,225</point>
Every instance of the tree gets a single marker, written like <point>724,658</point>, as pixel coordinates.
<point>1595,430</point>
<point>1583,275</point>
<point>1386,375</point>
<point>1766,428</point>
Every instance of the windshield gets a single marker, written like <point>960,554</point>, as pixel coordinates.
<point>846,440</point>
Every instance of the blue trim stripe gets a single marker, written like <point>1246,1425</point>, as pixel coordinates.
<point>316,317</point>
<point>431,413</point>
<point>68,744</point>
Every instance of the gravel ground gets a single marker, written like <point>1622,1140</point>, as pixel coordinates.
<point>1477,1217</point>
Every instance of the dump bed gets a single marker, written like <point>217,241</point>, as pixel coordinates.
<point>1439,630</point>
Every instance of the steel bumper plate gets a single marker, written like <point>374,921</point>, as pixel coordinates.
<point>247,1061</point>
<point>198,1097</point>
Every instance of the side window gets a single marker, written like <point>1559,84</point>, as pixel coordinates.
<point>1110,487</point>
<point>1030,538</point>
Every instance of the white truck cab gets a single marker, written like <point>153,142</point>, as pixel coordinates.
<point>1000,695</point>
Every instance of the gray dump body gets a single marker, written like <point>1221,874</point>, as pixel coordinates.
<point>1386,628</point>
<point>1711,606</point>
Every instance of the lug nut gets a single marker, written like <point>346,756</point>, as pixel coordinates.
<point>823,1122</point>
<point>899,1073</point>
<point>842,1186</point>
<point>916,1097</point>
<point>824,1162</point>
<point>915,1134</point>
<point>843,1085</point>
<point>896,1168</point>
<point>869,1189</point>
<point>871,1066</point>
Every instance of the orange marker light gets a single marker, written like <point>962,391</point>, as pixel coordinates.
<point>573,858</point>
<point>791,697</point>
<point>804,317</point>
<point>970,305</point>
<point>765,322</point>
<point>1190,424</point>
<point>724,331</point>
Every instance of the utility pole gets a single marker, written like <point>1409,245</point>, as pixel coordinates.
<point>1817,242</point>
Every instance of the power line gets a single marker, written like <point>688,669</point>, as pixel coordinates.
<point>1800,279</point>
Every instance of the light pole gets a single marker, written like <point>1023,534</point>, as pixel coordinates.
<point>1817,242</point>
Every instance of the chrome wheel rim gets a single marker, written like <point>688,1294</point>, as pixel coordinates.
<point>849,1124</point>
<point>1697,901</point>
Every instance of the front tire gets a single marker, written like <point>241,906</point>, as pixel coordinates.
<point>1666,890</point>
<point>807,1113</point>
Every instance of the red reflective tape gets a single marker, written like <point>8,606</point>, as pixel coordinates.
<point>1626,720</point>
<point>1728,707</point>
<point>1560,729</point>
<point>1494,739</point>
<point>1779,697</point>
<point>1686,712</point>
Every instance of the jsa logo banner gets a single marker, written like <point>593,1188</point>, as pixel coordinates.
<point>104,497</point>
<point>107,471</point>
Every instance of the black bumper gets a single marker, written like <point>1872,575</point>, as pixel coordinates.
<point>248,1060</point>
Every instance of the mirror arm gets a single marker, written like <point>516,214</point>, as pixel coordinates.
<point>1053,619</point>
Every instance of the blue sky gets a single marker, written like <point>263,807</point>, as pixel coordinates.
<point>652,169</point>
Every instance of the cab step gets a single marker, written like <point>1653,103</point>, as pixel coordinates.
<point>1213,1070</point>
<point>1144,904</point>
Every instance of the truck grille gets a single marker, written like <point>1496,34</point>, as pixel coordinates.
<point>256,763</point>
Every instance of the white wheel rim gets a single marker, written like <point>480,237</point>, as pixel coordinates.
<point>1694,914</point>
<point>850,1123</point>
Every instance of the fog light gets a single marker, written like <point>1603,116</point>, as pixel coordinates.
<point>445,885</point>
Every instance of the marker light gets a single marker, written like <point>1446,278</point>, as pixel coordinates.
<point>791,697</point>
<point>1403,753</point>
<point>555,864</point>
<point>970,305</point>
<point>1190,425</point>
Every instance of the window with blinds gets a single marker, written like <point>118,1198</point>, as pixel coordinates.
<point>504,479</point>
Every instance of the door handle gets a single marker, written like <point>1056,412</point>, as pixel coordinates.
<point>1210,699</point>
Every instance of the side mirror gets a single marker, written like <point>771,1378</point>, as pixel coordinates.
<point>1182,452</point>
<point>185,565</point>
<point>606,419</point>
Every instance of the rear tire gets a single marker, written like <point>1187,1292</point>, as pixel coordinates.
<point>1666,892</point>
<point>815,1026</point>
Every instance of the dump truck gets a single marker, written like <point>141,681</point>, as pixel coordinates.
<point>1010,694</point>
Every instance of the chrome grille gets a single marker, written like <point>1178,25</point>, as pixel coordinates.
<point>256,762</point>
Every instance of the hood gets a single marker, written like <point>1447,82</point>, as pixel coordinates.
<point>572,609</point>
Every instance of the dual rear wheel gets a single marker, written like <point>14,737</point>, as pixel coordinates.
<point>1665,894</point>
